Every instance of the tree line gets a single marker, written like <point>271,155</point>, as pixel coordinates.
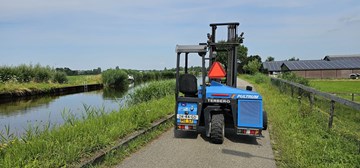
<point>71,72</point>
<point>119,78</point>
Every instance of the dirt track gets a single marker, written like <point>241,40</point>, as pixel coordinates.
<point>195,150</point>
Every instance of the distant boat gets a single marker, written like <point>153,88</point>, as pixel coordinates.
<point>130,79</point>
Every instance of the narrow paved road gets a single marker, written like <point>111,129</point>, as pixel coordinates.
<point>195,150</point>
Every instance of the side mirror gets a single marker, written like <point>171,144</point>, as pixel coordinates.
<point>249,88</point>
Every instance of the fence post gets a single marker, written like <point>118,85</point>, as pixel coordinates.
<point>352,96</point>
<point>300,92</point>
<point>280,86</point>
<point>299,100</point>
<point>332,107</point>
<point>311,100</point>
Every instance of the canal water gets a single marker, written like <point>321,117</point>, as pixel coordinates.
<point>19,114</point>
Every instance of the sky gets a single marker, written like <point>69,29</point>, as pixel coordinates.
<point>143,34</point>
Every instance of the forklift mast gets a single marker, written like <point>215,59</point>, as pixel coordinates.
<point>230,46</point>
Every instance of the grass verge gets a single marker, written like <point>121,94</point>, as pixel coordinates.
<point>153,90</point>
<point>300,135</point>
<point>15,87</point>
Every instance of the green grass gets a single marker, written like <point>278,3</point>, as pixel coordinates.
<point>300,135</point>
<point>78,138</point>
<point>81,79</point>
<point>336,86</point>
<point>343,88</point>
<point>153,90</point>
<point>15,87</point>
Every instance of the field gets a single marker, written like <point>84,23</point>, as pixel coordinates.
<point>300,136</point>
<point>342,88</point>
<point>81,79</point>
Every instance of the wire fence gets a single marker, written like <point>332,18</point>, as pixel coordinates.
<point>346,109</point>
<point>350,96</point>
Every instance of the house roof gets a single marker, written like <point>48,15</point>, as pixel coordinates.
<point>354,57</point>
<point>321,65</point>
<point>273,65</point>
<point>329,62</point>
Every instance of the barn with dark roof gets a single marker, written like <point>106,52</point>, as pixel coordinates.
<point>332,66</point>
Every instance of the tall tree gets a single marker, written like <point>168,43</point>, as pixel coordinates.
<point>241,55</point>
<point>293,59</point>
<point>269,59</point>
<point>248,60</point>
<point>253,66</point>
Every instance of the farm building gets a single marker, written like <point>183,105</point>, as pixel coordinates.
<point>273,67</point>
<point>336,66</point>
<point>355,57</point>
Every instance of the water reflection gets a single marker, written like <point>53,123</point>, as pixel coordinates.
<point>19,114</point>
<point>111,93</point>
<point>21,106</point>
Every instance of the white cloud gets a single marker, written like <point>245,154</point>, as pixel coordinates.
<point>350,19</point>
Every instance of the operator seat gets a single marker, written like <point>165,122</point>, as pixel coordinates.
<point>188,85</point>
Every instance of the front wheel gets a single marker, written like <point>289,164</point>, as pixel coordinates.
<point>217,131</point>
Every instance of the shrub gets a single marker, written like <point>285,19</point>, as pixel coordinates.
<point>170,75</point>
<point>253,66</point>
<point>42,74</point>
<point>115,78</point>
<point>148,76</point>
<point>138,77</point>
<point>59,77</point>
<point>260,78</point>
<point>6,73</point>
<point>26,73</point>
<point>294,78</point>
<point>153,90</point>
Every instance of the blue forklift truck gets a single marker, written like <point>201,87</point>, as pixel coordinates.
<point>218,103</point>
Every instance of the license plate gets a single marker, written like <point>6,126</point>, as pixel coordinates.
<point>186,121</point>
<point>183,116</point>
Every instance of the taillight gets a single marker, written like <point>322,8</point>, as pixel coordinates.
<point>249,131</point>
<point>185,127</point>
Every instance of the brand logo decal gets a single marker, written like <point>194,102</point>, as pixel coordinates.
<point>218,101</point>
<point>247,96</point>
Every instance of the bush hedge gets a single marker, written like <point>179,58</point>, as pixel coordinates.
<point>29,73</point>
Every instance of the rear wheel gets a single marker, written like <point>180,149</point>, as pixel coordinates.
<point>177,133</point>
<point>217,129</point>
<point>265,120</point>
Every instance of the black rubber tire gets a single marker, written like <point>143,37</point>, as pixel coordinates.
<point>265,120</point>
<point>177,133</point>
<point>217,131</point>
